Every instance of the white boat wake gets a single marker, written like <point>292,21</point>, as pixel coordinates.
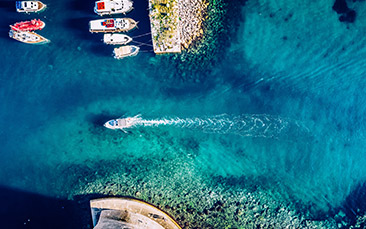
<point>253,125</point>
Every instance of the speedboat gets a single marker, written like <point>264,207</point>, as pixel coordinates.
<point>28,25</point>
<point>112,25</point>
<point>125,51</point>
<point>120,124</point>
<point>123,123</point>
<point>116,39</point>
<point>27,37</point>
<point>30,6</point>
<point>108,7</point>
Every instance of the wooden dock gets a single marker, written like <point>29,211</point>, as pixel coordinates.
<point>126,212</point>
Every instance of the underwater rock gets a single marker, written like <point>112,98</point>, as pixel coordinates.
<point>347,14</point>
<point>350,17</point>
<point>340,6</point>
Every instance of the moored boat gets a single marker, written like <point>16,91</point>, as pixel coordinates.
<point>116,39</point>
<point>27,37</point>
<point>108,7</point>
<point>28,25</point>
<point>112,25</point>
<point>125,51</point>
<point>30,6</point>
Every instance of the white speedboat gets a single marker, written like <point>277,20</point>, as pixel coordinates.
<point>112,25</point>
<point>28,37</point>
<point>116,39</point>
<point>108,7</point>
<point>122,123</point>
<point>125,51</point>
<point>30,6</point>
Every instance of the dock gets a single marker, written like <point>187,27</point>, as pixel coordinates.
<point>165,26</point>
<point>175,25</point>
<point>129,213</point>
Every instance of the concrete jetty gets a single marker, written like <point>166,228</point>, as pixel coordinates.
<point>175,24</point>
<point>126,212</point>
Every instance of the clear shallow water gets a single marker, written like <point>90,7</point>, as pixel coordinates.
<point>292,61</point>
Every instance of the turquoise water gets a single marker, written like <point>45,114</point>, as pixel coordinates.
<point>291,65</point>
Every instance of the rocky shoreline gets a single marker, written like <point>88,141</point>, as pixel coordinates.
<point>193,200</point>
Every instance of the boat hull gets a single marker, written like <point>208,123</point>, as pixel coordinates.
<point>28,25</point>
<point>112,25</point>
<point>28,37</point>
<point>125,51</point>
<point>116,39</point>
<point>30,6</point>
<point>111,7</point>
<point>119,124</point>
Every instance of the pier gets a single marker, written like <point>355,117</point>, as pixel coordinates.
<point>175,25</point>
<point>129,213</point>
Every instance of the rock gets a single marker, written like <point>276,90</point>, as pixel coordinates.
<point>257,209</point>
<point>347,14</point>
<point>341,214</point>
<point>350,17</point>
<point>340,6</point>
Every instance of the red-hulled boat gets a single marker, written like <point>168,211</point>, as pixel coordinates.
<point>26,26</point>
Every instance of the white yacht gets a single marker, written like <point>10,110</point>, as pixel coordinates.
<point>112,25</point>
<point>125,51</point>
<point>108,7</point>
<point>28,37</point>
<point>116,39</point>
<point>30,6</point>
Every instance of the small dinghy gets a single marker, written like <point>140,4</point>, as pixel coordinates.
<point>28,25</point>
<point>125,51</point>
<point>30,6</point>
<point>116,39</point>
<point>27,37</point>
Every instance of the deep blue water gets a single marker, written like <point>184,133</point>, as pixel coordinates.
<point>289,63</point>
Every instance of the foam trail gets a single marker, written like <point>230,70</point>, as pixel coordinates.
<point>254,125</point>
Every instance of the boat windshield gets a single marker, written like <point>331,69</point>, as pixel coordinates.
<point>112,122</point>
<point>19,5</point>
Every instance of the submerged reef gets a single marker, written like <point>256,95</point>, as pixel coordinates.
<point>346,14</point>
<point>198,203</point>
<point>193,199</point>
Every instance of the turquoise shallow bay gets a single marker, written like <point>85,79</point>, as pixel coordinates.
<point>287,60</point>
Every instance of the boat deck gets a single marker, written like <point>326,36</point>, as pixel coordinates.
<point>112,25</point>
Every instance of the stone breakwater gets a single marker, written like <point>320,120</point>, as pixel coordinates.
<point>192,14</point>
<point>165,26</point>
<point>176,24</point>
